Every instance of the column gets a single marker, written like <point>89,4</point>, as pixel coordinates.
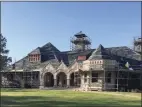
<point>88,82</point>
<point>41,81</point>
<point>88,79</point>
<point>104,81</point>
<point>68,82</point>
<point>55,82</point>
<point>82,80</point>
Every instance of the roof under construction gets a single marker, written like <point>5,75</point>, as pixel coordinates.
<point>50,54</point>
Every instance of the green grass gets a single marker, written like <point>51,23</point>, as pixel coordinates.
<point>64,98</point>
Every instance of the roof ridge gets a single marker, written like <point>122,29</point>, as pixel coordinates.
<point>100,52</point>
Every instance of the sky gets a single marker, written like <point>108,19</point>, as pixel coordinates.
<point>28,25</point>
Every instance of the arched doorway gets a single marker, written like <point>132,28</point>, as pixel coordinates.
<point>72,79</point>
<point>61,79</point>
<point>75,79</point>
<point>48,80</point>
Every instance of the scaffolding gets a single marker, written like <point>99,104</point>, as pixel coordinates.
<point>137,44</point>
<point>123,78</point>
<point>83,42</point>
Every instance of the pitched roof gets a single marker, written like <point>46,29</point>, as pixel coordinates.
<point>120,54</point>
<point>99,53</point>
<point>80,34</point>
<point>35,51</point>
<point>49,48</point>
<point>124,51</point>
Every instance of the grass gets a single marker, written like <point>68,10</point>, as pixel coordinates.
<point>66,98</point>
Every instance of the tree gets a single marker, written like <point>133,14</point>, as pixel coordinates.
<point>4,59</point>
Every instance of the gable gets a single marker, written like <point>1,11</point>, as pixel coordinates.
<point>49,48</point>
<point>99,53</point>
<point>74,66</point>
<point>50,68</point>
<point>62,66</point>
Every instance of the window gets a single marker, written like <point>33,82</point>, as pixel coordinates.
<point>34,58</point>
<point>109,77</point>
<point>94,77</point>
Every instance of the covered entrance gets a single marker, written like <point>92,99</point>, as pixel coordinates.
<point>61,79</point>
<point>75,79</point>
<point>48,80</point>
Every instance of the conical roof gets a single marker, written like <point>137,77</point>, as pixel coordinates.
<point>99,53</point>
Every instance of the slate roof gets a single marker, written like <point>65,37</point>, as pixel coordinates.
<point>100,53</point>
<point>50,54</point>
<point>48,48</point>
<point>36,51</point>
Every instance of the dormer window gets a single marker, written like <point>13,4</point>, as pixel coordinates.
<point>34,58</point>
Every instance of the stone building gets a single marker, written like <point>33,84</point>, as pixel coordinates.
<point>113,68</point>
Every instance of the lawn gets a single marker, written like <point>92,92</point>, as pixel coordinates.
<point>66,98</point>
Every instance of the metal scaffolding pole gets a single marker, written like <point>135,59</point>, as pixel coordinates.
<point>31,79</point>
<point>104,79</point>
<point>118,78</point>
<point>128,81</point>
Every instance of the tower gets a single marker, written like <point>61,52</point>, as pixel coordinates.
<point>138,44</point>
<point>80,42</point>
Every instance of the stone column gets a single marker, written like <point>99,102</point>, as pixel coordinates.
<point>88,82</point>
<point>55,82</point>
<point>68,82</point>
<point>88,79</point>
<point>82,80</point>
<point>41,81</point>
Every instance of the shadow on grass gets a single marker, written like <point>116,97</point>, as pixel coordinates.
<point>39,101</point>
<point>19,89</point>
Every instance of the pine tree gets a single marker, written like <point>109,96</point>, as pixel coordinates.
<point>4,59</point>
